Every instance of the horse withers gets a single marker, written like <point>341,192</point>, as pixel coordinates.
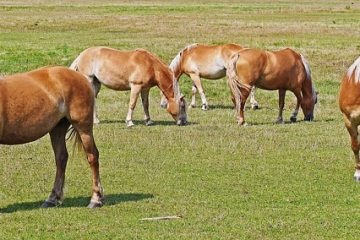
<point>204,61</point>
<point>349,103</point>
<point>137,71</point>
<point>272,70</point>
<point>50,100</point>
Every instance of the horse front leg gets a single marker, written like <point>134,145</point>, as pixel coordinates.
<point>134,94</point>
<point>281,105</point>
<point>57,136</point>
<point>197,83</point>
<point>298,103</point>
<point>353,131</point>
<point>145,103</point>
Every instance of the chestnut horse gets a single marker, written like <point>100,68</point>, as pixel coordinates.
<point>349,102</point>
<point>203,61</point>
<point>272,70</point>
<point>49,100</point>
<point>137,71</point>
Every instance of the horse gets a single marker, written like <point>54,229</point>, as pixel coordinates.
<point>203,61</point>
<point>349,103</point>
<point>272,70</point>
<point>137,71</point>
<point>51,100</point>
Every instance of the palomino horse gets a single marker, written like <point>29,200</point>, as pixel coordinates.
<point>280,70</point>
<point>349,102</point>
<point>49,100</point>
<point>203,61</point>
<point>137,71</point>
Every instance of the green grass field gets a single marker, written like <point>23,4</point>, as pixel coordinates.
<point>263,181</point>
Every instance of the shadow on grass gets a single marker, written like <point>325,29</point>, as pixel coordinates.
<point>139,122</point>
<point>110,199</point>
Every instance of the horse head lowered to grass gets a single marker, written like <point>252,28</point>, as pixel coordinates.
<point>50,100</point>
<point>137,71</point>
<point>272,70</point>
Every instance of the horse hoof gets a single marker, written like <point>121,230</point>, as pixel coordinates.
<point>357,178</point>
<point>204,107</point>
<point>163,105</point>
<point>293,119</point>
<point>149,123</point>
<point>254,106</point>
<point>95,204</point>
<point>48,204</point>
<point>96,121</point>
<point>129,123</point>
<point>280,121</point>
<point>192,106</point>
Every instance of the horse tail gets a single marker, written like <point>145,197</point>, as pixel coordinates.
<point>74,65</point>
<point>175,63</point>
<point>73,134</point>
<point>354,68</point>
<point>233,80</point>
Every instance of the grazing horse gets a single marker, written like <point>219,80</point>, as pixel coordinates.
<point>137,71</point>
<point>49,100</point>
<point>203,61</point>
<point>349,102</point>
<point>279,70</point>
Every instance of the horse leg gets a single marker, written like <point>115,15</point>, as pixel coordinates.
<point>163,102</point>
<point>197,82</point>
<point>96,85</point>
<point>57,136</point>
<point>353,131</point>
<point>281,105</point>
<point>244,95</point>
<point>92,153</point>
<point>145,103</point>
<point>298,102</point>
<point>134,94</point>
<point>253,102</point>
<point>193,93</point>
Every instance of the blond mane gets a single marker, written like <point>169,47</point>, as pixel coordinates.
<point>355,68</point>
<point>175,63</point>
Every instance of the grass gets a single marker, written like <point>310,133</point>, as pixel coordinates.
<point>264,181</point>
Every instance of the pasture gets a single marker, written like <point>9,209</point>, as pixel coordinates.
<point>262,181</point>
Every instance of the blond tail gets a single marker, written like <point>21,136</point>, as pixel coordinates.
<point>73,134</point>
<point>233,80</point>
<point>74,65</point>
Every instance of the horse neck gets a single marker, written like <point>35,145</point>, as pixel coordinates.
<point>308,89</point>
<point>165,80</point>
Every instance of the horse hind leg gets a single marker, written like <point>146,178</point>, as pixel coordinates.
<point>254,104</point>
<point>85,136</point>
<point>96,85</point>
<point>57,136</point>
<point>354,134</point>
<point>134,94</point>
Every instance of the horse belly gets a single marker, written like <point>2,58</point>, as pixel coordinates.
<point>213,74</point>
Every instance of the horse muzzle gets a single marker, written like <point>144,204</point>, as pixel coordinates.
<point>309,117</point>
<point>181,122</point>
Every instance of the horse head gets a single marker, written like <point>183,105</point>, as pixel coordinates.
<point>177,109</point>
<point>308,105</point>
